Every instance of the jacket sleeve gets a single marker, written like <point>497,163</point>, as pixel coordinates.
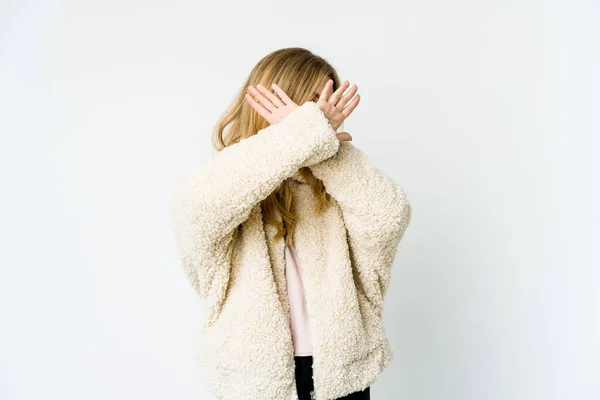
<point>217,195</point>
<point>376,213</point>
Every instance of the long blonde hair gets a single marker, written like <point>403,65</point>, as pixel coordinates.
<point>298,72</point>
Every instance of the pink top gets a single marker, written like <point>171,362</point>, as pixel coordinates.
<point>300,323</point>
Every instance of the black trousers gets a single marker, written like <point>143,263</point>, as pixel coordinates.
<point>304,381</point>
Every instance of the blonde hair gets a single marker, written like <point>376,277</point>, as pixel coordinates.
<point>298,72</point>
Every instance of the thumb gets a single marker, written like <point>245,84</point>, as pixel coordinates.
<point>344,136</point>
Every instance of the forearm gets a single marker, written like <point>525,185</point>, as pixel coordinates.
<point>374,206</point>
<point>220,193</point>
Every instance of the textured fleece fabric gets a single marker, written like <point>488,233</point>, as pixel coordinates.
<point>299,318</point>
<point>237,268</point>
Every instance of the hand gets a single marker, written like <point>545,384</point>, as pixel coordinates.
<point>268,105</point>
<point>273,108</point>
<point>337,108</point>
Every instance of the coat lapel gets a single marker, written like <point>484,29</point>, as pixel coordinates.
<point>276,250</point>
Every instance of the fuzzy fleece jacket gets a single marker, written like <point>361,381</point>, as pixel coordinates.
<point>233,263</point>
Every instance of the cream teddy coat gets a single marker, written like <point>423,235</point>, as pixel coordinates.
<point>233,263</point>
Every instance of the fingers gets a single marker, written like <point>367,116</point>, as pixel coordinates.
<point>271,96</point>
<point>339,99</point>
<point>338,93</point>
<point>346,98</point>
<point>261,99</point>
<point>284,97</point>
<point>263,112</point>
<point>327,90</point>
<point>344,136</point>
<point>351,106</point>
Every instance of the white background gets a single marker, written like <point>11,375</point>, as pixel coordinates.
<point>487,113</point>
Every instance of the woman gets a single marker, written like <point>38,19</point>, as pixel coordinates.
<point>288,234</point>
